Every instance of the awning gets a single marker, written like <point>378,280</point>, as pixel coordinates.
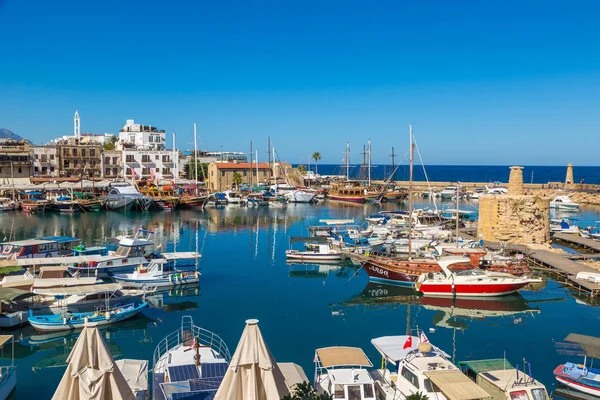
<point>589,344</point>
<point>181,255</point>
<point>10,294</point>
<point>455,385</point>
<point>336,221</point>
<point>392,347</point>
<point>308,239</point>
<point>56,268</point>
<point>4,339</point>
<point>343,356</point>
<point>494,364</point>
<point>81,290</point>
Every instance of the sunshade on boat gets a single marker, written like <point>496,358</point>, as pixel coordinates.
<point>455,385</point>
<point>81,290</point>
<point>339,356</point>
<point>392,347</point>
<point>589,344</point>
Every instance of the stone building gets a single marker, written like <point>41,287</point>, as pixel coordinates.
<point>112,164</point>
<point>514,217</point>
<point>16,160</point>
<point>76,159</point>
<point>44,162</point>
<point>220,174</point>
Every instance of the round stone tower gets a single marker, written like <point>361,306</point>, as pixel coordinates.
<point>515,181</point>
<point>569,177</point>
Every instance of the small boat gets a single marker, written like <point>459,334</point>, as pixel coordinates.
<point>563,226</point>
<point>580,377</point>
<point>8,374</point>
<point>124,196</point>
<point>7,204</point>
<point>592,277</point>
<point>503,381</point>
<point>154,275</point>
<point>564,203</point>
<point>233,196</point>
<point>33,202</point>
<point>48,246</point>
<point>189,360</point>
<point>342,372</point>
<point>317,248</point>
<point>73,320</point>
<point>469,283</point>
<point>419,366</point>
<point>449,192</point>
<point>62,201</point>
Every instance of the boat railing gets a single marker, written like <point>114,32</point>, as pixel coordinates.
<point>184,336</point>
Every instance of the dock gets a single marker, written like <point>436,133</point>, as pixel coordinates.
<point>578,241</point>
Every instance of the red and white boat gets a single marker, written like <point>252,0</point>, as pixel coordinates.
<point>469,283</point>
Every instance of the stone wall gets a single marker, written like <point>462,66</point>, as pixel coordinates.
<point>517,219</point>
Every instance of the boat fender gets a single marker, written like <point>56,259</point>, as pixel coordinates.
<point>65,321</point>
<point>170,278</point>
<point>196,274</point>
<point>107,315</point>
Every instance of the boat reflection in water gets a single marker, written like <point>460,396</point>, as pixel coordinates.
<point>180,298</point>
<point>298,269</point>
<point>379,294</point>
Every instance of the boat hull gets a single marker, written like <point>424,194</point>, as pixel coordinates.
<point>351,199</point>
<point>406,273</point>
<point>8,382</point>
<point>158,281</point>
<point>447,289</point>
<point>584,386</point>
<point>308,256</point>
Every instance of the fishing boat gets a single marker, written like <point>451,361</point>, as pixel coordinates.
<point>62,201</point>
<point>342,373</point>
<point>154,275</point>
<point>580,377</point>
<point>233,196</point>
<point>419,366</point>
<point>350,191</point>
<point>33,202</point>
<point>564,203</point>
<point>470,283</point>
<point>73,320</point>
<point>562,226</point>
<point>7,204</point>
<point>48,246</point>
<point>191,361</point>
<point>503,381</point>
<point>124,196</point>
<point>317,249</point>
<point>8,374</point>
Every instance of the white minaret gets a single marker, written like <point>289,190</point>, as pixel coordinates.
<point>76,125</point>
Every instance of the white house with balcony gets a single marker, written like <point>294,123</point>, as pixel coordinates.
<point>161,165</point>
<point>143,137</point>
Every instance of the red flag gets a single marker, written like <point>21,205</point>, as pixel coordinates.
<point>132,173</point>
<point>408,343</point>
<point>423,338</point>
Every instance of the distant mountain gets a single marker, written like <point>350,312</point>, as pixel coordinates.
<point>7,134</point>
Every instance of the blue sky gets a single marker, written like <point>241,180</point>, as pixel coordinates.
<point>484,82</point>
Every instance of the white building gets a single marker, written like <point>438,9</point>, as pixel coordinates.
<point>157,164</point>
<point>44,161</point>
<point>143,137</point>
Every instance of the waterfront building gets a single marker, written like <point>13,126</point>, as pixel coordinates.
<point>112,164</point>
<point>16,160</point>
<point>143,137</point>
<point>79,159</point>
<point>220,174</point>
<point>151,164</point>
<point>222,156</point>
<point>44,161</point>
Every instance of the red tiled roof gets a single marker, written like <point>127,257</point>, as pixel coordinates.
<point>228,165</point>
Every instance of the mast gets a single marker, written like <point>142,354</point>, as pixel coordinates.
<point>457,205</point>
<point>347,161</point>
<point>257,168</point>
<point>12,175</point>
<point>251,163</point>
<point>369,161</point>
<point>274,171</point>
<point>393,166</point>
<point>410,197</point>
<point>269,154</point>
<point>195,159</point>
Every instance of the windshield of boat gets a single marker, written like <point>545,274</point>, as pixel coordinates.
<point>539,394</point>
<point>8,249</point>
<point>123,251</point>
<point>470,272</point>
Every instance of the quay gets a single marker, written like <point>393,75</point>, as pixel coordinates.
<point>579,241</point>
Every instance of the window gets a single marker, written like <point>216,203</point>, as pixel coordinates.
<point>20,170</point>
<point>166,159</point>
<point>245,172</point>
<point>67,164</point>
<point>410,377</point>
<point>36,156</point>
<point>166,171</point>
<point>222,173</point>
<point>65,152</point>
<point>106,160</point>
<point>74,151</point>
<point>44,158</point>
<point>519,395</point>
<point>51,169</point>
<point>150,139</point>
<point>82,152</point>
<point>368,390</point>
<point>44,247</point>
<point>145,171</point>
<point>354,393</point>
<point>75,163</point>
<point>339,392</point>
<point>92,152</point>
<point>129,158</point>
<point>539,394</point>
<point>157,157</point>
<point>44,170</point>
<point>212,173</point>
<point>115,160</point>
<point>52,156</point>
<point>132,138</point>
<point>107,171</point>
<point>146,158</point>
<point>36,169</point>
<point>115,171</point>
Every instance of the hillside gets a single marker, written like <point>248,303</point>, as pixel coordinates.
<point>8,134</point>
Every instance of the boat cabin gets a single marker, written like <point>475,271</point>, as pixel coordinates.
<point>33,196</point>
<point>50,246</point>
<point>136,246</point>
<point>341,372</point>
<point>503,381</point>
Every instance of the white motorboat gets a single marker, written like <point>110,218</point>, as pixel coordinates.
<point>80,298</point>
<point>7,204</point>
<point>564,203</point>
<point>124,196</point>
<point>233,196</point>
<point>421,367</point>
<point>563,226</point>
<point>449,192</point>
<point>592,277</point>
<point>342,373</point>
<point>496,190</point>
<point>319,250</point>
<point>154,275</point>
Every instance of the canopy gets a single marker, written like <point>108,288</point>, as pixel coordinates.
<point>91,371</point>
<point>81,289</point>
<point>4,339</point>
<point>336,221</point>
<point>26,262</point>
<point>181,255</point>
<point>293,375</point>
<point>343,356</point>
<point>135,373</point>
<point>392,347</point>
<point>10,294</point>
<point>455,385</point>
<point>253,372</point>
<point>589,344</point>
<point>309,239</point>
<point>52,282</point>
<point>479,366</point>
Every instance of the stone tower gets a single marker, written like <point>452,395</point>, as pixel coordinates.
<point>569,177</point>
<point>514,217</point>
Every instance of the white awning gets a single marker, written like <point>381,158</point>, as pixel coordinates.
<point>343,356</point>
<point>81,290</point>
<point>392,347</point>
<point>181,255</point>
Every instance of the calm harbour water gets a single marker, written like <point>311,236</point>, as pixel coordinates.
<point>300,308</point>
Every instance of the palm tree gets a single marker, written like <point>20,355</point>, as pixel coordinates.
<point>237,179</point>
<point>417,396</point>
<point>317,157</point>
<point>304,391</point>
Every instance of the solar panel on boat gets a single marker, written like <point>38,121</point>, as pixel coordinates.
<point>194,396</point>
<point>202,385</point>
<point>179,373</point>
<point>490,376</point>
<point>214,370</point>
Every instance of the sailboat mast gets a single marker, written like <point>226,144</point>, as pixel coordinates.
<point>274,171</point>
<point>347,161</point>
<point>369,161</point>
<point>410,196</point>
<point>195,159</point>
<point>393,166</point>
<point>457,208</point>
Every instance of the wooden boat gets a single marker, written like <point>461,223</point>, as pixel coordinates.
<point>33,202</point>
<point>351,191</point>
<point>154,275</point>
<point>48,246</point>
<point>74,320</point>
<point>580,377</point>
<point>469,283</point>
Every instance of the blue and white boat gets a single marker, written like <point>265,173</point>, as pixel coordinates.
<point>154,275</point>
<point>74,320</point>
<point>8,374</point>
<point>580,377</point>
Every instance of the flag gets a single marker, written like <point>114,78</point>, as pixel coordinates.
<point>132,174</point>
<point>423,338</point>
<point>152,174</point>
<point>194,343</point>
<point>408,343</point>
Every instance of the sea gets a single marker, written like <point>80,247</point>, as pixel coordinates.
<point>462,173</point>
<point>301,307</point>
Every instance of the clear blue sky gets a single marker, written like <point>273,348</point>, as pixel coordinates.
<point>484,82</point>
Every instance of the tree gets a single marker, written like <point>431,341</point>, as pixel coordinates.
<point>237,179</point>
<point>317,157</point>
<point>304,391</point>
<point>110,145</point>
<point>301,169</point>
<point>417,396</point>
<point>202,169</point>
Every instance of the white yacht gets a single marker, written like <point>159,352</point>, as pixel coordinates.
<point>564,203</point>
<point>341,372</point>
<point>562,226</point>
<point>421,367</point>
<point>123,195</point>
<point>293,194</point>
<point>233,196</point>
<point>449,192</point>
